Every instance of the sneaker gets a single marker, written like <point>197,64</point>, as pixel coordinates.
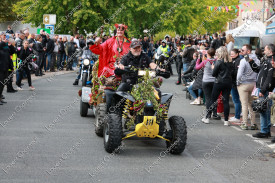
<point>254,127</point>
<point>233,119</point>
<point>205,120</point>
<point>244,127</point>
<point>19,88</point>
<point>226,123</point>
<point>195,102</point>
<point>216,117</point>
<point>32,88</point>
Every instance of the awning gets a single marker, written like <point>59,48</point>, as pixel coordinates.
<point>270,29</point>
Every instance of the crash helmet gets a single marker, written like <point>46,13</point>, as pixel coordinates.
<point>164,41</point>
<point>90,42</point>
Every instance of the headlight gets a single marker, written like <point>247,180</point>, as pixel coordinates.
<point>86,62</point>
<point>149,104</point>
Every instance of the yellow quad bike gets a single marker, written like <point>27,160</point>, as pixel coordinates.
<point>143,112</point>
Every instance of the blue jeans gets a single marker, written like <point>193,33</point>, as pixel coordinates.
<point>237,102</point>
<point>192,93</point>
<point>49,57</point>
<point>74,62</point>
<point>185,66</point>
<point>265,117</point>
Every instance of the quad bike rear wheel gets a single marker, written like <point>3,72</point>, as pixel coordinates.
<point>178,136</point>
<point>112,133</point>
<point>100,116</point>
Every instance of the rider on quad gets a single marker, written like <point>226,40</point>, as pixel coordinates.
<point>137,59</point>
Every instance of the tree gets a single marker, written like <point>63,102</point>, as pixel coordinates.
<point>85,16</point>
<point>6,13</point>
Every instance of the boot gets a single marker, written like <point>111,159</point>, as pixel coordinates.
<point>10,89</point>
<point>75,82</point>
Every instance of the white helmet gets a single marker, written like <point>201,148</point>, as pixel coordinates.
<point>164,41</point>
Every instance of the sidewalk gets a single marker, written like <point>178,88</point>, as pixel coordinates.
<point>49,75</point>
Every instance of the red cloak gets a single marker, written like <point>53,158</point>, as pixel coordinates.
<point>107,52</point>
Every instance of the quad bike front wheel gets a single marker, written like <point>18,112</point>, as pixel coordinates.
<point>112,132</point>
<point>100,116</point>
<point>178,135</point>
<point>83,109</point>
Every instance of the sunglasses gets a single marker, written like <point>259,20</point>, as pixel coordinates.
<point>120,27</point>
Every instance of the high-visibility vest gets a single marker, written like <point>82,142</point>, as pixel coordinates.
<point>164,50</point>
<point>14,61</point>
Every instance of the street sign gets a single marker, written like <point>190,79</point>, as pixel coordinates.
<point>49,19</point>
<point>46,30</point>
<point>51,27</point>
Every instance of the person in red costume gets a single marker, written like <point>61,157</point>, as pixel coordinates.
<point>112,49</point>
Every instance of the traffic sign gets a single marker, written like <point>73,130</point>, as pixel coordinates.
<point>46,30</point>
<point>51,27</point>
<point>49,19</point>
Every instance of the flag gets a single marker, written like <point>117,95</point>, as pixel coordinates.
<point>236,10</point>
<point>255,1</point>
<point>252,2</point>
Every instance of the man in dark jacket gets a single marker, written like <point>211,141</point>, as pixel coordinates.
<point>61,51</point>
<point>49,51</point>
<point>4,67</point>
<point>70,49</point>
<point>187,55</point>
<point>216,43</point>
<point>44,44</point>
<point>19,42</point>
<point>265,82</point>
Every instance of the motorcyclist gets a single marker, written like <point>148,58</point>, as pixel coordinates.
<point>135,58</point>
<point>86,51</point>
<point>164,51</point>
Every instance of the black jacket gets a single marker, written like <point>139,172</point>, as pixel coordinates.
<point>82,43</point>
<point>223,72</point>
<point>216,43</point>
<point>44,40</point>
<point>4,57</point>
<point>50,46</point>
<point>70,48</point>
<point>188,54</point>
<point>142,62</point>
<point>31,40</point>
<point>191,67</point>
<point>61,48</point>
<point>19,43</point>
<point>266,77</point>
<point>236,63</point>
<point>25,55</point>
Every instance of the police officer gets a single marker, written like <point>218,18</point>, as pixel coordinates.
<point>165,51</point>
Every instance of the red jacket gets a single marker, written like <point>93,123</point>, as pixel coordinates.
<point>107,52</point>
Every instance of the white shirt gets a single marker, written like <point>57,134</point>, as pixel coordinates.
<point>77,42</point>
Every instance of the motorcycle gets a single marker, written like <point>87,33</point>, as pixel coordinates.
<point>87,62</point>
<point>144,114</point>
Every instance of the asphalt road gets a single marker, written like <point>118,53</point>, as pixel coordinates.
<point>44,139</point>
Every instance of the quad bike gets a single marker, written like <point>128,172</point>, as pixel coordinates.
<point>145,114</point>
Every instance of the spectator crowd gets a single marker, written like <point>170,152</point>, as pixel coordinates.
<point>209,67</point>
